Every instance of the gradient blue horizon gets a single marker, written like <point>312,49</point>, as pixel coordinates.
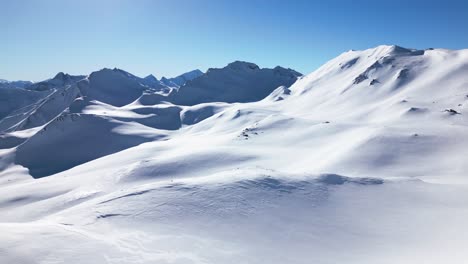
<point>166,38</point>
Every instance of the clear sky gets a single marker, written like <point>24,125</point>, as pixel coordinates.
<point>39,38</point>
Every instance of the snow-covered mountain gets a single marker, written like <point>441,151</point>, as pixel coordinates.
<point>59,81</point>
<point>237,82</point>
<point>152,81</point>
<point>14,84</point>
<point>43,101</point>
<point>360,161</point>
<point>181,79</point>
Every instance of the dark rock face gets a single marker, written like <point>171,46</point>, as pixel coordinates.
<point>452,111</point>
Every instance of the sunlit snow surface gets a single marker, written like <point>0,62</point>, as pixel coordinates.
<point>357,162</point>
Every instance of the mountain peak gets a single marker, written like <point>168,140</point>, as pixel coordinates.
<point>196,72</point>
<point>60,76</point>
<point>151,77</point>
<point>239,81</point>
<point>242,65</point>
<point>287,71</point>
<point>182,79</point>
<point>110,72</point>
<point>395,50</point>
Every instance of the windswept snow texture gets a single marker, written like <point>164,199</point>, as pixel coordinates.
<point>360,161</point>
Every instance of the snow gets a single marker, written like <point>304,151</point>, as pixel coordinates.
<point>14,99</point>
<point>267,169</point>
<point>114,87</point>
<point>237,82</point>
<point>88,137</point>
<point>43,101</point>
<point>14,84</point>
<point>60,80</point>
<point>181,79</point>
<point>40,112</point>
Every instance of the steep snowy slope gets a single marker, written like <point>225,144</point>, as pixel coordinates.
<point>38,104</point>
<point>41,112</point>
<point>361,161</point>
<point>13,99</point>
<point>413,103</point>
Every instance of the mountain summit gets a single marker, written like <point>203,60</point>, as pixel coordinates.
<point>237,82</point>
<point>181,79</point>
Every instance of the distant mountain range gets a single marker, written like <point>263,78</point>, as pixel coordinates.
<point>36,104</point>
<point>62,79</point>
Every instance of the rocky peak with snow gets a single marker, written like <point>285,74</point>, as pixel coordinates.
<point>113,86</point>
<point>181,79</point>
<point>151,78</point>
<point>237,82</point>
<point>242,66</point>
<point>59,81</point>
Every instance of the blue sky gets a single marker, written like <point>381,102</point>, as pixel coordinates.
<point>42,37</point>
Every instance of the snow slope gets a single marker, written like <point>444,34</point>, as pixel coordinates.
<point>87,136</point>
<point>41,111</point>
<point>38,104</point>
<point>13,99</point>
<point>361,161</point>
